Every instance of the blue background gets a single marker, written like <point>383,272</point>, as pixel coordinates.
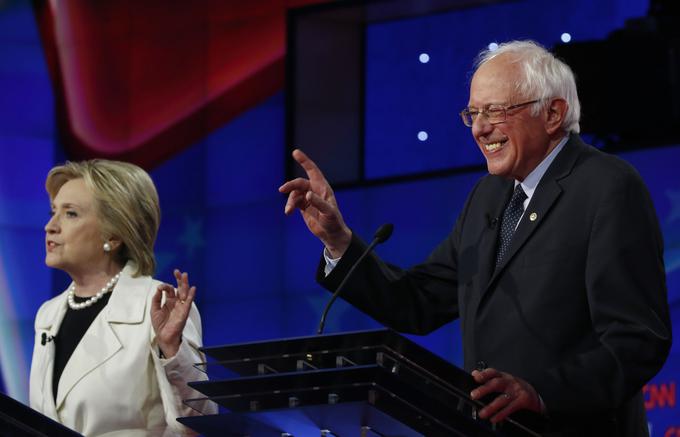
<point>223,218</point>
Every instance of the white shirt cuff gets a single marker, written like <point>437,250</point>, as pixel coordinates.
<point>330,262</point>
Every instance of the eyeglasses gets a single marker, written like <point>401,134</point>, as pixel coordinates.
<point>494,114</point>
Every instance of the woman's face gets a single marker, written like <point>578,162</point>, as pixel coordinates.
<point>73,240</point>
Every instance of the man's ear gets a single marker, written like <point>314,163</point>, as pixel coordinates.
<point>556,112</point>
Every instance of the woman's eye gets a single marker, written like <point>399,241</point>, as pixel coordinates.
<point>71,214</point>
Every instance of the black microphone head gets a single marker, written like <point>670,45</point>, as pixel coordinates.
<point>383,233</point>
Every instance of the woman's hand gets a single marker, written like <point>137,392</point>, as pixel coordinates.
<point>168,320</point>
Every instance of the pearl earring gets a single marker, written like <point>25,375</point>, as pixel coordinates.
<point>107,247</point>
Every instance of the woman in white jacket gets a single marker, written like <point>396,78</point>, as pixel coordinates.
<point>114,352</point>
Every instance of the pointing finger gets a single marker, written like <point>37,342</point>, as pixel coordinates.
<point>313,172</point>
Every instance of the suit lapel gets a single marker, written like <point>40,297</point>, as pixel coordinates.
<point>545,196</point>
<point>50,323</point>
<point>127,304</point>
<point>540,204</point>
<point>97,345</point>
<point>489,240</point>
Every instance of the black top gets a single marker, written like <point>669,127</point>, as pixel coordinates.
<point>71,331</point>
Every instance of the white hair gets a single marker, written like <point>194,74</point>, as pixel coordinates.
<point>545,77</point>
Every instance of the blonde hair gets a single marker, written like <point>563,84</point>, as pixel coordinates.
<point>126,204</point>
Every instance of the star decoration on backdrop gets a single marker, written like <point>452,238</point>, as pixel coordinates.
<point>192,238</point>
<point>672,260</point>
<point>671,232</point>
<point>674,198</point>
<point>164,263</point>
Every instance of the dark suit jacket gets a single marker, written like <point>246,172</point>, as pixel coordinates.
<point>577,307</point>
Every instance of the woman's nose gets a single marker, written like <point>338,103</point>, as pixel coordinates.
<point>52,225</point>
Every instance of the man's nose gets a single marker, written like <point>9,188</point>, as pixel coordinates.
<point>481,125</point>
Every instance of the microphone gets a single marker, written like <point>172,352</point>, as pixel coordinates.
<point>46,339</point>
<point>383,233</point>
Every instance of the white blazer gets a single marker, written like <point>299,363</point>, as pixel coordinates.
<point>115,384</point>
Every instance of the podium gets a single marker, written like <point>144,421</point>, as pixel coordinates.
<point>18,420</point>
<point>369,383</point>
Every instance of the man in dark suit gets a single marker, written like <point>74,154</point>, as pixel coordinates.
<point>555,264</point>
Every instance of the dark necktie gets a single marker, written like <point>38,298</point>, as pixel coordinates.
<point>511,216</point>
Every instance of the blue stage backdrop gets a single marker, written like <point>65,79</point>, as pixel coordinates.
<point>223,218</point>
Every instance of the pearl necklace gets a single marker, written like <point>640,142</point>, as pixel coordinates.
<point>79,306</point>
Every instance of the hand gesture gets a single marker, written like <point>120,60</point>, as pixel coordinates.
<point>169,319</point>
<point>514,394</point>
<point>315,199</point>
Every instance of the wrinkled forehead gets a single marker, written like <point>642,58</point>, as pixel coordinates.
<point>495,82</point>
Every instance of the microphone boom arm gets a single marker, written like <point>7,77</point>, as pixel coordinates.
<point>381,235</point>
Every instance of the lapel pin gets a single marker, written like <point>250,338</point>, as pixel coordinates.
<point>533,216</point>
